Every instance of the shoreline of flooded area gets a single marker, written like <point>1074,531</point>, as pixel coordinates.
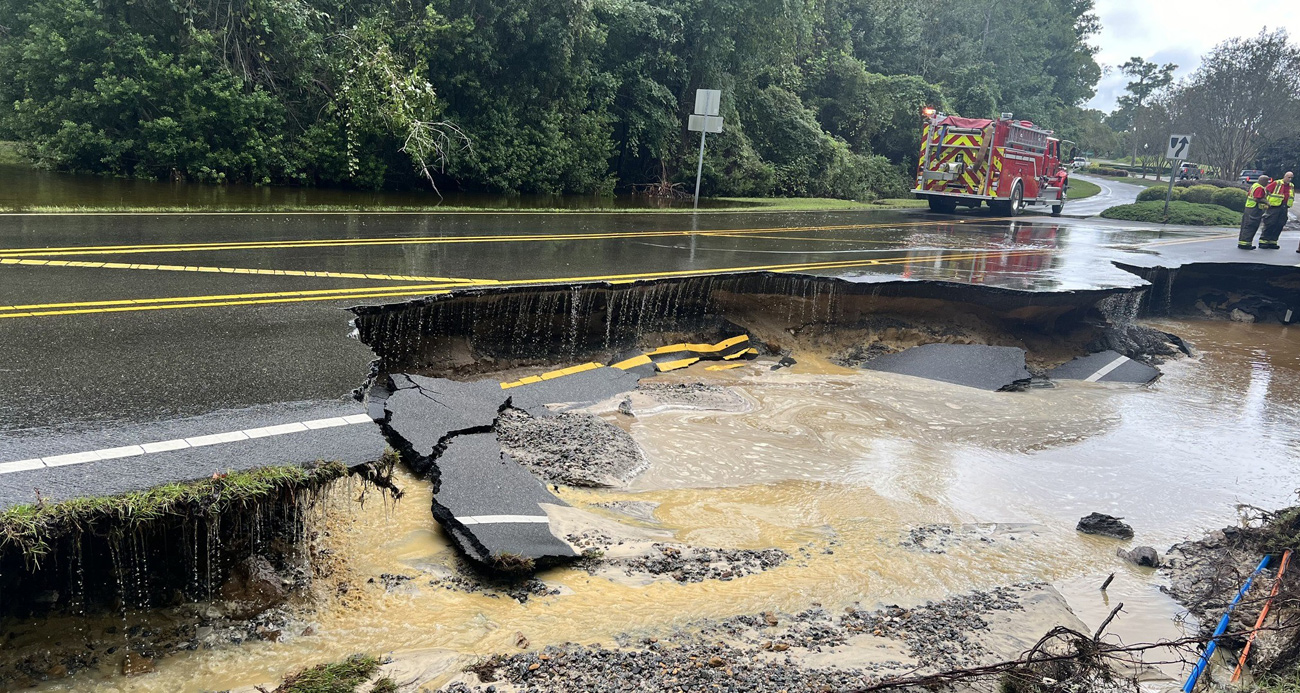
<point>879,489</point>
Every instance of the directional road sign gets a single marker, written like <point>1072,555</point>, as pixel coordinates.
<point>1178,147</point>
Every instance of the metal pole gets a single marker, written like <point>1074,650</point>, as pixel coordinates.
<point>1170,192</point>
<point>699,170</point>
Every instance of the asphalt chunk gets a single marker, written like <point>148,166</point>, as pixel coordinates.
<point>972,365</point>
<point>1105,367</point>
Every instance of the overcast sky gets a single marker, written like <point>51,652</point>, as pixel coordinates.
<point>1177,31</point>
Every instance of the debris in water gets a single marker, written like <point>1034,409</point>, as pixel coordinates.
<point>1105,525</point>
<point>1105,367</point>
<point>972,365</point>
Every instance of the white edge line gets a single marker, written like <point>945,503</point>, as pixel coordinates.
<point>1106,369</point>
<point>503,519</point>
<point>205,440</point>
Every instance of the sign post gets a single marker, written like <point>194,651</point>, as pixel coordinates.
<point>704,120</point>
<point>1177,153</point>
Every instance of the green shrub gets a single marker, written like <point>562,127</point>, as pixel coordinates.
<point>1200,194</point>
<point>1186,213</point>
<point>1106,171</point>
<point>1232,198</point>
<point>1157,192</point>
<point>1216,182</point>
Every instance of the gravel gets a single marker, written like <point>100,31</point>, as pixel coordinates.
<point>573,449</point>
<point>761,652</point>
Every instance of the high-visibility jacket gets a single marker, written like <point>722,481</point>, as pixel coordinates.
<point>1255,195</point>
<point>1280,194</point>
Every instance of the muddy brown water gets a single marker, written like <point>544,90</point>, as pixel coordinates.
<point>836,468</point>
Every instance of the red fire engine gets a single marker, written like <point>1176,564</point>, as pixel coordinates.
<point>1008,163</point>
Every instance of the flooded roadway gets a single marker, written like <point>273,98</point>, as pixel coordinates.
<point>195,313</point>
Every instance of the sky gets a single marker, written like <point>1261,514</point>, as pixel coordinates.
<point>1177,31</point>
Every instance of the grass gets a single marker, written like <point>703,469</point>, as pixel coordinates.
<point>337,677</point>
<point>1185,213</point>
<point>31,527</point>
<point>795,204</point>
<point>1080,189</point>
<point>736,204</point>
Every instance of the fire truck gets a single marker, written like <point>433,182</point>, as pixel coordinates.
<point>1008,163</point>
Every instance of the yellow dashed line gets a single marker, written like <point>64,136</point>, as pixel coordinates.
<point>724,367</point>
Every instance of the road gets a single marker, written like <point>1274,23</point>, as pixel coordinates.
<point>121,330</point>
<point>1112,193</point>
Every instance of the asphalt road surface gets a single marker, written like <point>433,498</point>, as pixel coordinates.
<point>1112,193</point>
<point>109,322</point>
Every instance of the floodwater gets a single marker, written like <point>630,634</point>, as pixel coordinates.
<point>23,187</point>
<point>836,468</point>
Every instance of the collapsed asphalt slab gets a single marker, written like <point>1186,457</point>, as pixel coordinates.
<point>489,504</point>
<point>1105,367</point>
<point>972,365</point>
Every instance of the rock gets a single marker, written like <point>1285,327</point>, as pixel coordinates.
<point>716,662</point>
<point>1104,525</point>
<point>1239,315</point>
<point>253,587</point>
<point>308,631</point>
<point>1144,556</point>
<point>136,664</point>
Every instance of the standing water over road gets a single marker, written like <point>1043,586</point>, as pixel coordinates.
<point>882,489</point>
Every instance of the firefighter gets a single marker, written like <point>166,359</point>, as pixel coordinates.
<point>1255,206</point>
<point>1279,194</point>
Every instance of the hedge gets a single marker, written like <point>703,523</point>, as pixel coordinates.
<point>1186,213</point>
<point>1106,171</point>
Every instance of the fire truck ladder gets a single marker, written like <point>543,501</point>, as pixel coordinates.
<point>933,145</point>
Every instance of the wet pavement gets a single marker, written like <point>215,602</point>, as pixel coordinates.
<point>113,320</point>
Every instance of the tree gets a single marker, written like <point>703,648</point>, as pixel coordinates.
<point>1246,91</point>
<point>1149,80</point>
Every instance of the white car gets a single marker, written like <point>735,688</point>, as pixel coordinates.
<point>1079,162</point>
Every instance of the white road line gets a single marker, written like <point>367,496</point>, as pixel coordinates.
<point>1106,369</point>
<point>21,466</point>
<point>202,441</point>
<point>503,519</point>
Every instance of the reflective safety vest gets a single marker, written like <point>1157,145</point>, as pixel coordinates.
<point>1280,194</point>
<point>1251,200</point>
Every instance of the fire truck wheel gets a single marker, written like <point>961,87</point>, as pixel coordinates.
<point>1058,207</point>
<point>1017,201</point>
<point>943,205</point>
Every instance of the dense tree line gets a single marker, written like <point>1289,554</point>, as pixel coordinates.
<point>821,97</point>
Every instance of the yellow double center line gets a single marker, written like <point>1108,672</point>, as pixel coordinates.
<point>249,299</point>
<point>436,240</point>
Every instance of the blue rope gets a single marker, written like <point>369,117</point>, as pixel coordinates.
<point>1223,626</point>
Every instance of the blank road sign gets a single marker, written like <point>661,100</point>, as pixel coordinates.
<point>703,123</point>
<point>1178,145</point>
<point>707,102</point>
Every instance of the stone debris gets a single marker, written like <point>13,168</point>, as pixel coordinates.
<point>1105,525</point>
<point>1144,556</point>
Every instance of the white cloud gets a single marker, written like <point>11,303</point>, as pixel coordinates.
<point>1177,31</point>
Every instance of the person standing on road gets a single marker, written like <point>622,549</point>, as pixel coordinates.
<point>1279,194</point>
<point>1254,213</point>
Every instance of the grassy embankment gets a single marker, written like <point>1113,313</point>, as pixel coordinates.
<point>1081,189</point>
<point>32,527</point>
